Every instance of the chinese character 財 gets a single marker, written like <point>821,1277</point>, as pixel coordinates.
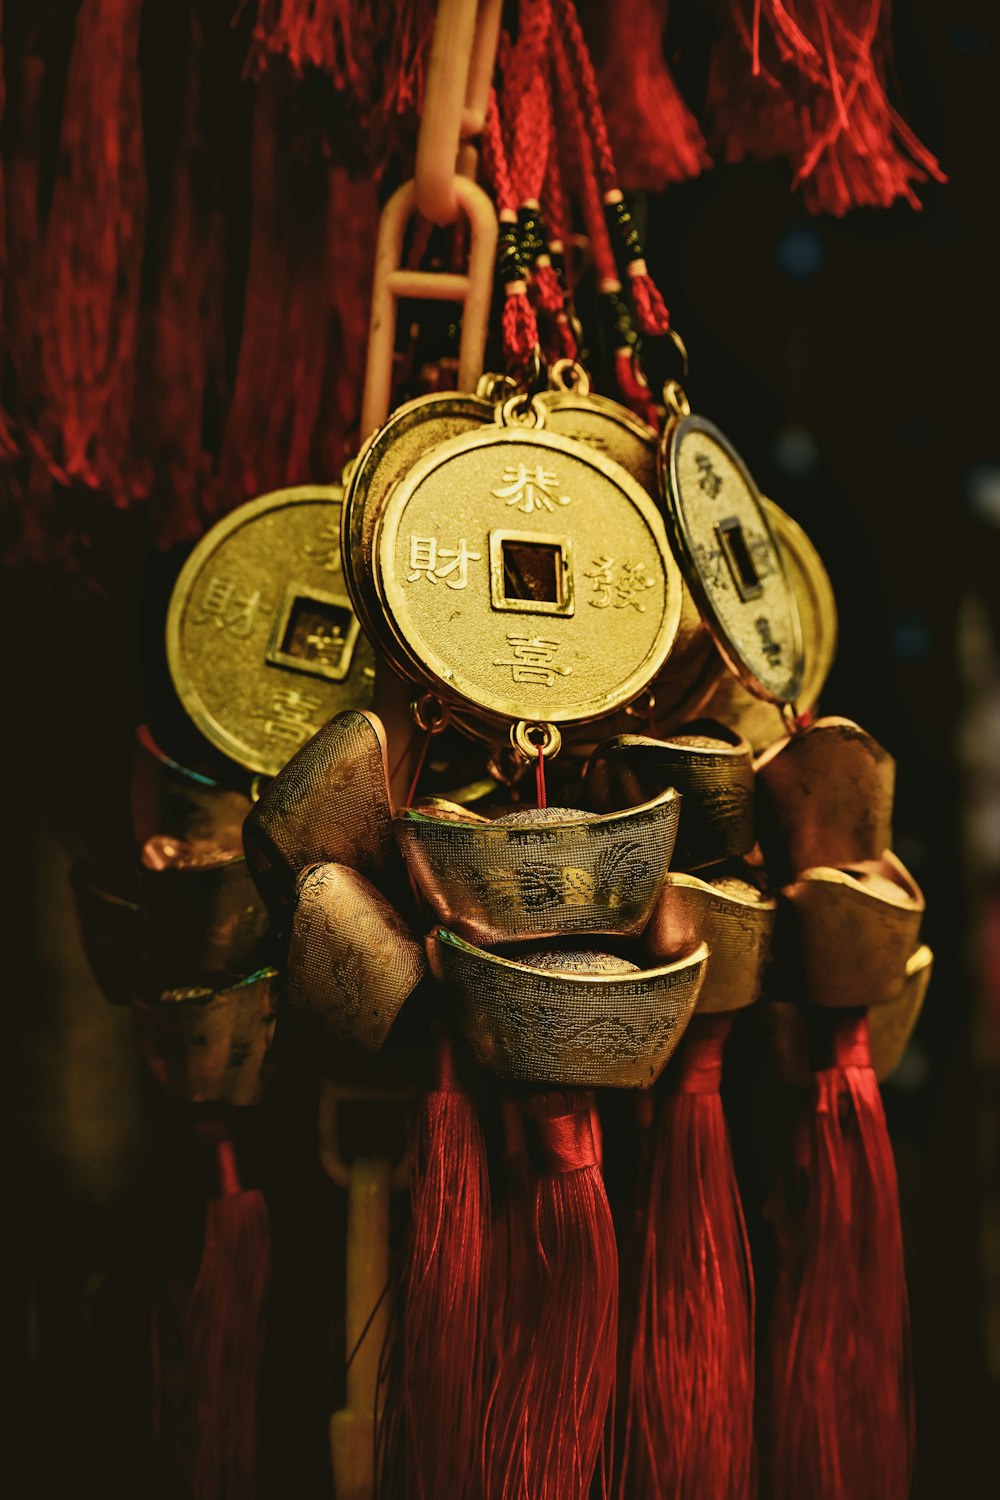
<point>618,586</point>
<point>426,561</point>
<point>710,481</point>
<point>530,492</point>
<point>226,609</point>
<point>291,716</point>
<point>325,550</point>
<point>531,660</point>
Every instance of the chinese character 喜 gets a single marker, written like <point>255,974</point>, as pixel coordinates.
<point>226,609</point>
<point>618,586</point>
<point>710,481</point>
<point>425,561</point>
<point>531,660</point>
<point>291,716</point>
<point>530,492</point>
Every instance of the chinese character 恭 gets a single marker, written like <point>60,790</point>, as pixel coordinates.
<point>618,586</point>
<point>291,716</point>
<point>425,561</point>
<point>226,609</point>
<point>530,492</point>
<point>325,550</point>
<point>710,481</point>
<point>531,660</point>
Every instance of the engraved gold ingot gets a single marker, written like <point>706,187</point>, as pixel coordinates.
<point>207,1047</point>
<point>851,931</point>
<point>711,767</point>
<point>572,507</point>
<point>578,1029</point>
<point>734,920</point>
<point>759,722</point>
<point>731,560</point>
<point>824,797</point>
<point>498,882</point>
<point>891,1025</point>
<point>201,918</point>
<point>169,798</point>
<point>262,642</point>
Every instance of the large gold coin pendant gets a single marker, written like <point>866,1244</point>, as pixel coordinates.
<point>262,642</point>
<point>730,558</point>
<point>525,576</point>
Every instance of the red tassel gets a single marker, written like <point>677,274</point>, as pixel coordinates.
<point>430,1440</point>
<point>811,86</point>
<point>841,1404</point>
<point>332,35</point>
<point>552,1391</point>
<point>689,1428</point>
<point>8,446</point>
<point>88,302</point>
<point>223,1339</point>
<point>655,137</point>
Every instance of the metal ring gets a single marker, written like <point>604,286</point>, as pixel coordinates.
<point>506,766</point>
<point>675,399</point>
<point>531,739</point>
<point>681,348</point>
<point>643,706</point>
<point>569,375</point>
<point>521,410</point>
<point>492,385</point>
<point>429,714</point>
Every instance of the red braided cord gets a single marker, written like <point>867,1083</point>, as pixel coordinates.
<point>579,142</point>
<point>578,51</point>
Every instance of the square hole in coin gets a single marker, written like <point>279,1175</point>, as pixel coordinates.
<point>530,574</point>
<point>314,633</point>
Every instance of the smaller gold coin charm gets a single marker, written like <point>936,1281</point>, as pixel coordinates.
<point>525,576</point>
<point>731,559</point>
<point>262,642</point>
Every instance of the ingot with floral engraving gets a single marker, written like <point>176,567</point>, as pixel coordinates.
<point>206,1046</point>
<point>262,640</point>
<point>736,921</point>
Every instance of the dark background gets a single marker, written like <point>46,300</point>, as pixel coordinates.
<point>853,364</point>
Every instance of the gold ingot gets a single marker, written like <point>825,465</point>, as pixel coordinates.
<point>352,960</point>
<point>203,914</point>
<point>168,798</point>
<point>588,1021</point>
<point>891,1025</point>
<point>330,805</point>
<point>710,766</point>
<point>851,932</point>
<point>824,797</point>
<point>207,1046</point>
<point>545,873</point>
<point>525,577</point>
<point>731,560</point>
<point>262,642</point>
<point>759,722</point>
<point>736,922</point>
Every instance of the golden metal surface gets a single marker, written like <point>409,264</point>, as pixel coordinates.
<point>432,573</point>
<point>847,935</point>
<point>352,960</point>
<point>595,1029</point>
<point>204,1046</point>
<point>712,770</point>
<point>891,1025</point>
<point>824,797</point>
<point>562,872</point>
<point>731,559</point>
<point>736,922</point>
<point>169,798</point>
<point>262,642</point>
<point>203,917</point>
<point>759,722</point>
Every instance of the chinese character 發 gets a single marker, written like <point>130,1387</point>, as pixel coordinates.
<point>291,716</point>
<point>618,586</point>
<point>226,609</point>
<point>531,660</point>
<point>530,492</point>
<point>426,556</point>
<point>710,481</point>
<point>325,550</point>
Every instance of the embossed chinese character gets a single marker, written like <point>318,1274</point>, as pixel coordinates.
<point>428,560</point>
<point>326,644</point>
<point>531,660</point>
<point>709,480</point>
<point>223,606</point>
<point>532,491</point>
<point>291,717</point>
<point>325,550</point>
<point>620,586</point>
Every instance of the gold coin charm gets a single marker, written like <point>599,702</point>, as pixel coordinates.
<point>525,576</point>
<point>731,559</point>
<point>262,642</point>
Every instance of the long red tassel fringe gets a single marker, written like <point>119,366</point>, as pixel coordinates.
<point>223,1339</point>
<point>553,1386</point>
<point>840,1409</point>
<point>689,1425</point>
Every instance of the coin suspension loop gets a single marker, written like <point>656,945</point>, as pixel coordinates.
<point>534,740</point>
